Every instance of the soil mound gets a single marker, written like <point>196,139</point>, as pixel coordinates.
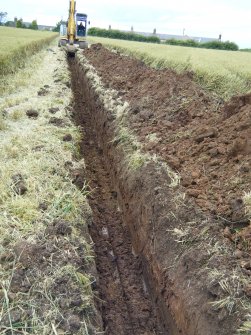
<point>205,140</point>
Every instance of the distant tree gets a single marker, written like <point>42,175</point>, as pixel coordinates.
<point>215,44</point>
<point>9,24</point>
<point>33,25</point>
<point>20,24</point>
<point>2,17</point>
<point>57,28</point>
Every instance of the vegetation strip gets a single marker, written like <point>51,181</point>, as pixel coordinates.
<point>121,35</point>
<point>19,44</point>
<point>206,45</point>
<point>46,259</point>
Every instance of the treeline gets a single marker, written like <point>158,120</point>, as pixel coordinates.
<point>131,36</point>
<point>246,50</point>
<point>20,24</point>
<point>117,34</point>
<point>207,45</point>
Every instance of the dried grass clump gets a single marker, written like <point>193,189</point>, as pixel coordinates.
<point>247,202</point>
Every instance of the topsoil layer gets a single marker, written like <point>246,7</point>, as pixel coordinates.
<point>207,141</point>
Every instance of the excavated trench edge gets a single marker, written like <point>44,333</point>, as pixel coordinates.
<point>123,298</point>
<point>179,308</point>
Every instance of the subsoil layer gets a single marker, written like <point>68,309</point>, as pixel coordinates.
<point>123,299</point>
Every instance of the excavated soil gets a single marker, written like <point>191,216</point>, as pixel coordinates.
<point>207,141</point>
<point>123,298</point>
<point>162,261</point>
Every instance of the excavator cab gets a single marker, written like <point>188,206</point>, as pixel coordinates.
<point>63,29</point>
<point>73,32</point>
<point>81,25</point>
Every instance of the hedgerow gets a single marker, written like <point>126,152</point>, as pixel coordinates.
<point>117,34</point>
<point>206,45</point>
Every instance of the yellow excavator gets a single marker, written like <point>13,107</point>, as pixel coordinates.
<point>73,32</point>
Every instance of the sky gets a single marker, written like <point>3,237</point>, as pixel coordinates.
<point>198,18</point>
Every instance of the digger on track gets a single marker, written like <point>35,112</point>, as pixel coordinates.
<point>73,32</point>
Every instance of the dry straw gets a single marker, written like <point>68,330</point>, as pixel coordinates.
<point>33,149</point>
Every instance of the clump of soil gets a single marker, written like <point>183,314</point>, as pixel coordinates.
<point>78,173</point>
<point>56,121</point>
<point>32,113</point>
<point>53,110</point>
<point>205,140</point>
<point>59,227</point>
<point>43,91</point>
<point>43,206</point>
<point>67,138</point>
<point>18,184</point>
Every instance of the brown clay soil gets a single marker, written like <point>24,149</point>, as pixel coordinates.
<point>180,250</point>
<point>123,299</point>
<point>207,141</point>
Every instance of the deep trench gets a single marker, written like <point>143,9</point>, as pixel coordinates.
<point>123,299</point>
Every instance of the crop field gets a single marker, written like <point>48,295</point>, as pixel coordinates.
<point>225,72</point>
<point>18,44</point>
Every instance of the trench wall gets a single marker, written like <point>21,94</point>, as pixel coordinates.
<point>150,209</point>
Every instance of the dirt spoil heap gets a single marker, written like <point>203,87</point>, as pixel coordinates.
<point>207,141</point>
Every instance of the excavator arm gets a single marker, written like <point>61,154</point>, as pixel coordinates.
<point>71,29</point>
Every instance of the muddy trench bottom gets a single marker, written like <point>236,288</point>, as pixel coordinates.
<point>122,297</point>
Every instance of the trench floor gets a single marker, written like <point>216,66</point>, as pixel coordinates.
<point>123,300</point>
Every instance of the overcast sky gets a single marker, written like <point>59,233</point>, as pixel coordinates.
<point>201,18</point>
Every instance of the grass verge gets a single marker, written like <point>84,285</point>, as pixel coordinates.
<point>46,258</point>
